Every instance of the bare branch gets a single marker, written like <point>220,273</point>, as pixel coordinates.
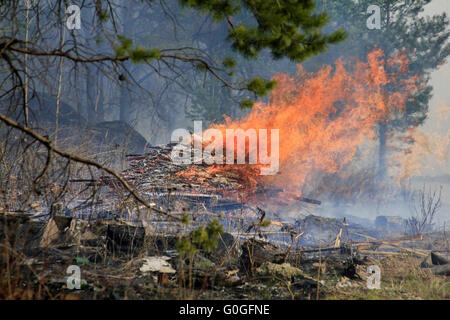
<point>46,142</point>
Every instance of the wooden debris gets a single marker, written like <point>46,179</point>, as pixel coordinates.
<point>337,243</point>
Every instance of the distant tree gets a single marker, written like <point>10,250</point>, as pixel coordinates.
<point>209,100</point>
<point>233,46</point>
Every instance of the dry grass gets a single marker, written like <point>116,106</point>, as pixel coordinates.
<point>401,279</point>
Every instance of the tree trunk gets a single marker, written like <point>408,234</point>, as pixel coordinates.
<point>100,112</point>
<point>383,126</point>
<point>382,136</point>
<point>125,96</point>
<point>125,104</point>
<point>91,96</point>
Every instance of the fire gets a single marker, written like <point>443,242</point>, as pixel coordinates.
<point>428,149</point>
<point>324,118</point>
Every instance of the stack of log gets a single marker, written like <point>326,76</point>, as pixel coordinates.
<point>219,187</point>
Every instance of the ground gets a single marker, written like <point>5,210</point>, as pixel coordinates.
<point>36,268</point>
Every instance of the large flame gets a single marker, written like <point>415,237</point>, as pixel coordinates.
<point>324,118</point>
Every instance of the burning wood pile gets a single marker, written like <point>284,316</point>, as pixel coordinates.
<point>154,173</point>
<point>234,191</point>
<point>219,187</point>
<point>324,120</point>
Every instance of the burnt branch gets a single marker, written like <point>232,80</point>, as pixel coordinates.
<point>47,143</point>
<point>425,205</point>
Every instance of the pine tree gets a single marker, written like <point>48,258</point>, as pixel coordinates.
<point>422,39</point>
<point>289,29</point>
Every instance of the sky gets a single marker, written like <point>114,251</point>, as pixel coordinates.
<point>438,123</point>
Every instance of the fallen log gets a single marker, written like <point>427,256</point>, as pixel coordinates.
<point>323,249</point>
<point>308,200</point>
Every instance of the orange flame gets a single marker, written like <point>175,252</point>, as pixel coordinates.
<point>324,117</point>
